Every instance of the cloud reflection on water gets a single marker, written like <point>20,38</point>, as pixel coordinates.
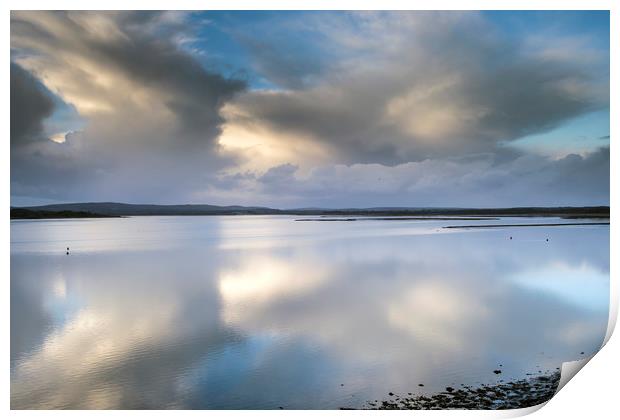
<point>279,319</point>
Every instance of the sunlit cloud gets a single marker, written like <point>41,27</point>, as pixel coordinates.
<point>58,137</point>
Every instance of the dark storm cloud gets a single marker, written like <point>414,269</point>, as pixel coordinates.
<point>530,96</point>
<point>146,55</point>
<point>30,105</point>
<point>152,111</point>
<point>39,167</point>
<point>197,95</point>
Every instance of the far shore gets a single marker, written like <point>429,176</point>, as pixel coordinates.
<point>25,214</point>
<point>106,209</point>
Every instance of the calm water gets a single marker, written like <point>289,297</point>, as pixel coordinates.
<point>267,312</point>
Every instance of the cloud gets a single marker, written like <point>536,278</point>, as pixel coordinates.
<point>152,111</point>
<point>363,109</point>
<point>411,86</point>
<point>193,94</point>
<point>518,179</point>
<point>279,174</point>
<point>30,105</point>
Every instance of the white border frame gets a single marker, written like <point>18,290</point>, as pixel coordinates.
<point>593,394</point>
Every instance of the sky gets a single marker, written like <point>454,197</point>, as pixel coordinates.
<point>311,109</point>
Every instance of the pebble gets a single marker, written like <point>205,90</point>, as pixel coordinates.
<point>516,394</point>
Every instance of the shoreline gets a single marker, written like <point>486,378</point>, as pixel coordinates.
<point>107,209</point>
<point>500,396</point>
<point>526,225</point>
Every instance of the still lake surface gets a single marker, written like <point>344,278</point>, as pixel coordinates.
<point>261,312</point>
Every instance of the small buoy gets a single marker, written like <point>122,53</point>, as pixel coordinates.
<point>67,248</point>
<point>511,238</point>
<point>67,252</point>
<point>547,239</point>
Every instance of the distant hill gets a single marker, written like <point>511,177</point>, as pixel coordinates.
<point>123,209</point>
<point>21,213</point>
